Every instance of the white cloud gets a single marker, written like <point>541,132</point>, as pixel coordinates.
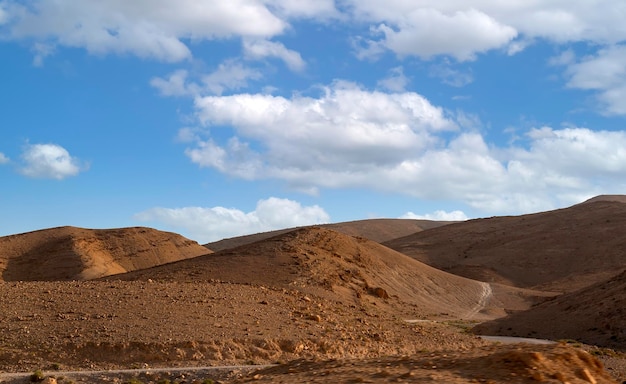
<point>229,75</point>
<point>145,28</point>
<point>162,29</point>
<point>346,125</point>
<point>49,161</point>
<point>260,49</point>
<point>566,57</point>
<point>349,137</point>
<point>3,158</point>
<point>304,9</point>
<point>437,216</point>
<point>451,76</point>
<point>461,34</point>
<point>604,72</point>
<point>41,51</point>
<point>209,224</point>
<point>396,81</point>
<point>4,17</point>
<point>175,84</point>
<point>461,30</point>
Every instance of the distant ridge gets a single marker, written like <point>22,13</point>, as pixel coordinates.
<point>70,253</point>
<point>378,230</point>
<point>614,198</point>
<point>561,250</point>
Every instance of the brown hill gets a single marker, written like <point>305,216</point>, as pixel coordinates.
<point>340,267</point>
<point>561,250</point>
<point>69,253</point>
<point>615,198</point>
<point>378,230</point>
<point>594,315</point>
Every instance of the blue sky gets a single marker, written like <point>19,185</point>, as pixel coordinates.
<point>216,119</point>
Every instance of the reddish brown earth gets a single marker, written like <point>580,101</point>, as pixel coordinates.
<point>562,250</point>
<point>594,315</point>
<point>348,269</point>
<point>378,230</point>
<point>491,364</point>
<point>69,253</point>
<point>326,306</point>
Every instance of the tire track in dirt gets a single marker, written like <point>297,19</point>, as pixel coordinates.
<point>485,295</point>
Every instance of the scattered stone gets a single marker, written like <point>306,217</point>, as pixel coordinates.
<point>379,292</point>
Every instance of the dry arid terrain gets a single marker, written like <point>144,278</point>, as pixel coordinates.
<point>324,303</point>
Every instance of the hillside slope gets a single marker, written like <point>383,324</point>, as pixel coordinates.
<point>595,315</point>
<point>340,267</point>
<point>562,250</point>
<point>69,253</point>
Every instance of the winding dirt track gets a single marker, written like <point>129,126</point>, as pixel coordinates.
<point>485,296</point>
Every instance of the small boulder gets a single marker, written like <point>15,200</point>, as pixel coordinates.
<point>379,292</point>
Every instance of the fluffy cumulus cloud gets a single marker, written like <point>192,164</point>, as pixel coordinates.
<point>146,28</point>
<point>161,29</point>
<point>437,216</point>
<point>3,158</point>
<point>305,138</point>
<point>49,161</point>
<point>349,137</point>
<point>461,34</point>
<point>210,224</point>
<point>464,30</point>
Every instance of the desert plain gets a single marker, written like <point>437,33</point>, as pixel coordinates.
<point>372,301</point>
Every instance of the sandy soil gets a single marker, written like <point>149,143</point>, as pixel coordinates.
<point>324,306</point>
<point>107,325</point>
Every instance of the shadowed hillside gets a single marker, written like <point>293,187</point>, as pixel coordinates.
<point>594,315</point>
<point>561,250</point>
<point>378,230</point>
<point>69,253</point>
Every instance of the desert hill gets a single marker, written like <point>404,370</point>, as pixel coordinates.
<point>594,315</point>
<point>561,250</point>
<point>614,198</point>
<point>70,253</point>
<point>378,230</point>
<point>299,297</point>
<point>334,265</point>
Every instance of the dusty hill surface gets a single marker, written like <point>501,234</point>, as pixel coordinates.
<point>503,364</point>
<point>615,198</point>
<point>69,253</point>
<point>378,230</point>
<point>344,268</point>
<point>594,315</point>
<point>311,294</point>
<point>561,250</point>
<point>107,324</point>
<point>124,324</point>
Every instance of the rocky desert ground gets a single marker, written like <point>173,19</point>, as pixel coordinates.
<point>371,301</point>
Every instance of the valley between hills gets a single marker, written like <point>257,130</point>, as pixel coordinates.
<point>371,301</point>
